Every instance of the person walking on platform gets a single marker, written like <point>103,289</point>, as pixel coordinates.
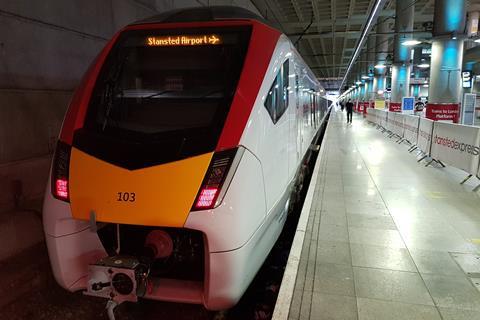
<point>349,107</point>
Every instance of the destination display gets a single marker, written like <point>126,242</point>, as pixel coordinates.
<point>183,40</point>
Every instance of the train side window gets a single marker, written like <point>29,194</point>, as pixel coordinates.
<point>296,88</point>
<point>277,98</point>
<point>286,86</point>
<point>272,99</point>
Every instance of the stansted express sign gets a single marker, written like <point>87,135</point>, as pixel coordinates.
<point>457,145</point>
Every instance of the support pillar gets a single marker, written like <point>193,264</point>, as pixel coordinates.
<point>362,94</point>
<point>417,72</point>
<point>444,92</point>
<point>401,68</point>
<point>472,28</point>
<point>381,57</point>
<point>370,70</point>
<point>363,73</point>
<point>358,82</point>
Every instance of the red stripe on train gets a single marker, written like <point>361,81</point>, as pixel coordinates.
<point>262,44</point>
<point>78,106</point>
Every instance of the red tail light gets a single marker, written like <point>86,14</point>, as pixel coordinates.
<point>218,178</point>
<point>61,188</point>
<point>206,197</point>
<point>60,171</point>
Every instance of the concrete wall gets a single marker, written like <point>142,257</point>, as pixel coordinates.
<point>45,47</point>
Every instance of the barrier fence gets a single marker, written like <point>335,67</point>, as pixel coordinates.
<point>424,139</point>
<point>450,143</point>
<point>457,145</point>
<point>411,124</point>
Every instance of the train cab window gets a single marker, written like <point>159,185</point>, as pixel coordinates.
<point>165,90</point>
<point>277,99</point>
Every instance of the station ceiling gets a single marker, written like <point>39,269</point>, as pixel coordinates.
<point>327,31</point>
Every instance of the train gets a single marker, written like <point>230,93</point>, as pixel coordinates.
<point>180,154</point>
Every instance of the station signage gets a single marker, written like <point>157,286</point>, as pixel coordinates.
<point>447,112</point>
<point>466,79</point>
<point>183,40</point>
<point>426,51</point>
<point>408,104</point>
<point>395,107</point>
<point>469,102</point>
<point>380,104</point>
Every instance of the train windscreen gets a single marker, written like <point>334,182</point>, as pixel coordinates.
<point>168,89</point>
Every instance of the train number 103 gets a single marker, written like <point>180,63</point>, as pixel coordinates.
<point>126,196</point>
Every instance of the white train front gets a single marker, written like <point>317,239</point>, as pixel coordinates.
<point>178,157</point>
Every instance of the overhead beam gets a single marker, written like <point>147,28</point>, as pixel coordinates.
<point>316,14</point>
<point>330,79</point>
<point>334,54</point>
<point>376,10</point>
<point>330,66</point>
<point>356,19</point>
<point>355,34</point>
<point>333,18</point>
<point>347,28</point>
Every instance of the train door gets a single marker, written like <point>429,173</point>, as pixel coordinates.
<point>292,150</point>
<point>275,151</point>
<point>298,117</point>
<point>314,110</point>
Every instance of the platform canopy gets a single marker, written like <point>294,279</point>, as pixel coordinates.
<point>328,31</point>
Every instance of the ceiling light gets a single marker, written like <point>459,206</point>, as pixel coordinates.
<point>365,77</point>
<point>358,82</point>
<point>411,42</point>
<point>380,91</point>
<point>425,85</point>
<point>424,65</point>
<point>379,66</point>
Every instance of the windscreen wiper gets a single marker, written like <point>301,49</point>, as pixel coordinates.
<point>212,92</point>
<point>111,84</point>
<point>157,94</point>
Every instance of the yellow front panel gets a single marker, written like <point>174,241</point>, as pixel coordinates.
<point>161,195</point>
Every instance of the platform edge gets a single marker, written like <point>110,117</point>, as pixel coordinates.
<point>285,295</point>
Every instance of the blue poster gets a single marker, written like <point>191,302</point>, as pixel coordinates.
<point>408,105</point>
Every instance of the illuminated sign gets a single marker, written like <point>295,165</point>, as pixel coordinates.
<point>426,50</point>
<point>466,79</point>
<point>185,40</point>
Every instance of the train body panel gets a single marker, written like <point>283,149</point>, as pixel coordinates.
<point>266,139</point>
<point>161,195</point>
<point>230,225</point>
<point>57,218</point>
<point>179,160</point>
<point>230,273</point>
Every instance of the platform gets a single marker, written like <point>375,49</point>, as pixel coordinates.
<point>386,238</point>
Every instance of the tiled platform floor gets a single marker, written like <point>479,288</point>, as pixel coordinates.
<point>387,238</point>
